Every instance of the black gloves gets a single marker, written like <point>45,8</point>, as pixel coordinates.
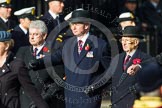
<point>32,105</point>
<point>53,89</point>
<point>36,64</point>
<point>89,91</point>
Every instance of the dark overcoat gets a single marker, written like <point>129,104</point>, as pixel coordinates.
<point>13,74</point>
<point>82,70</point>
<point>123,93</point>
<point>43,82</point>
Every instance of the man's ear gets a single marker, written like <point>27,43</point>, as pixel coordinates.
<point>44,36</point>
<point>87,26</point>
<point>136,42</point>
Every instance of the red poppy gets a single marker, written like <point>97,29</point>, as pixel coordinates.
<point>45,49</point>
<point>136,61</point>
<point>87,47</point>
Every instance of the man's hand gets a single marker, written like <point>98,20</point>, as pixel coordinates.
<point>132,70</point>
<point>32,105</point>
<point>33,64</point>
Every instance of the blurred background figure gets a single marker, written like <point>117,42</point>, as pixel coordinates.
<point>52,18</point>
<point>152,16</point>
<point>126,19</point>
<point>5,12</point>
<point>20,33</point>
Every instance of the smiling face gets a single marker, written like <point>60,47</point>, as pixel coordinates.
<point>36,38</point>
<point>129,44</point>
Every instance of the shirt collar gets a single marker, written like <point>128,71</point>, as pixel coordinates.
<point>154,4</point>
<point>39,48</point>
<point>23,29</point>
<point>131,53</point>
<point>53,14</point>
<point>84,38</point>
<point>5,20</point>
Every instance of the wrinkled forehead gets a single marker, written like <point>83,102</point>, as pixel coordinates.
<point>129,38</point>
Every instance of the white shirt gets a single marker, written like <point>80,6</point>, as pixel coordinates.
<point>84,38</point>
<point>5,20</point>
<point>23,29</point>
<point>39,49</point>
<point>53,14</point>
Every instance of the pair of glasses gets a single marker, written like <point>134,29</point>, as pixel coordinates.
<point>35,34</point>
<point>126,41</point>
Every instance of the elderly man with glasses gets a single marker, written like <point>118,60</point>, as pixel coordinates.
<point>123,86</point>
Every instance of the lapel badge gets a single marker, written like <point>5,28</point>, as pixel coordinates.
<point>90,54</point>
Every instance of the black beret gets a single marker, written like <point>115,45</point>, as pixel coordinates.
<point>5,36</point>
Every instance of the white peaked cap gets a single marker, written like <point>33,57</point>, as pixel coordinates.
<point>24,11</point>
<point>68,16</point>
<point>126,15</point>
<point>3,1</point>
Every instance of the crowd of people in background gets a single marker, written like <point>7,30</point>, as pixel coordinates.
<point>56,60</point>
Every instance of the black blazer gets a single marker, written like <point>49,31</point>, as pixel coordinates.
<point>7,26</point>
<point>12,74</point>
<point>20,38</point>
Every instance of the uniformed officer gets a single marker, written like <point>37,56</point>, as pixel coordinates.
<point>20,32</point>
<point>126,19</point>
<point>5,12</point>
<point>52,18</point>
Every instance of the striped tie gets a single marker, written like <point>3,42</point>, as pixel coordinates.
<point>126,61</point>
<point>80,47</point>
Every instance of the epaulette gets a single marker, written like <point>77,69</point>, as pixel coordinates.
<point>38,17</point>
<point>10,30</point>
<point>60,37</point>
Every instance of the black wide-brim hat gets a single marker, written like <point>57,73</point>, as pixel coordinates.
<point>79,16</point>
<point>131,31</point>
<point>55,0</point>
<point>150,76</point>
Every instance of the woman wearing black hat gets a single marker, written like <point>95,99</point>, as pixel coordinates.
<point>12,74</point>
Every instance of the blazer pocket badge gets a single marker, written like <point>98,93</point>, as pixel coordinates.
<point>90,54</point>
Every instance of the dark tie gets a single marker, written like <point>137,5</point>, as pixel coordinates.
<point>35,52</point>
<point>126,61</point>
<point>80,46</point>
<point>58,21</point>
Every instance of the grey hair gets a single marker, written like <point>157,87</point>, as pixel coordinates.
<point>38,24</point>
